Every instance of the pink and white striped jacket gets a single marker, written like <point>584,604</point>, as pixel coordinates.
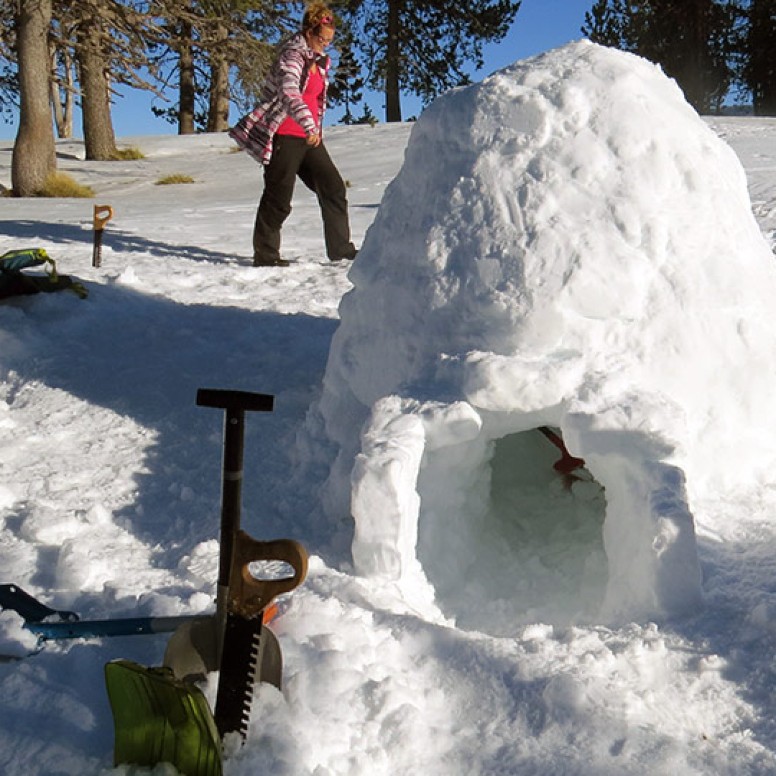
<point>282,97</point>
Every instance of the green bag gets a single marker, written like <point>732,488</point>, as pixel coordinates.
<point>14,282</point>
<point>158,718</point>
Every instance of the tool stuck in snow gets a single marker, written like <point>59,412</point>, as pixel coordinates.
<point>160,715</point>
<point>567,465</point>
<point>102,214</point>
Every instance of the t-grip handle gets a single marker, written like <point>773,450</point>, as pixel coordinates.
<point>249,596</point>
<point>235,400</point>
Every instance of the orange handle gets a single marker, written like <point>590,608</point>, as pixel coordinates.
<point>249,596</point>
<point>102,214</point>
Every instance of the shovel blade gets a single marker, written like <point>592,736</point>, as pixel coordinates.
<point>192,652</point>
<point>158,718</point>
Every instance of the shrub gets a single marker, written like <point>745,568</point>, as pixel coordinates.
<point>127,154</point>
<point>60,184</point>
<point>176,178</point>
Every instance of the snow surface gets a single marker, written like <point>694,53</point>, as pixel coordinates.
<point>110,475</point>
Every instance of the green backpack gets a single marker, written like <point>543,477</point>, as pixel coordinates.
<point>14,282</point>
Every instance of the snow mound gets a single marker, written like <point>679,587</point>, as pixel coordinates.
<point>567,245</point>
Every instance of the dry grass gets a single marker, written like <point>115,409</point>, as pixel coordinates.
<point>175,178</point>
<point>60,184</point>
<point>128,154</point>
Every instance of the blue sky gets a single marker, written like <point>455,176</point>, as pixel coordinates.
<point>540,25</point>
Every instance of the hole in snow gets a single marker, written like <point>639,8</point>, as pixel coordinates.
<point>524,545</point>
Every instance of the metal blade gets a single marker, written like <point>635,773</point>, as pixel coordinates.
<point>97,249</point>
<point>239,665</point>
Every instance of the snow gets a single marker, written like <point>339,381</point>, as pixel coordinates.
<point>565,244</point>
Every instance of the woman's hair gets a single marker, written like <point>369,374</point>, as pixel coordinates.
<point>316,16</point>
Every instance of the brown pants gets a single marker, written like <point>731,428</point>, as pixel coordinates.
<point>291,156</point>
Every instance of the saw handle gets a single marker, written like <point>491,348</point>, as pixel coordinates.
<point>249,596</point>
<point>102,214</point>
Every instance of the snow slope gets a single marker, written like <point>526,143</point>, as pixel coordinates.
<point>110,497</point>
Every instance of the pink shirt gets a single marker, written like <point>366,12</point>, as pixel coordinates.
<point>311,96</point>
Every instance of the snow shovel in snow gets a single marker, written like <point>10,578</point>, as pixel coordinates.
<point>160,718</point>
<point>194,650</point>
<point>567,464</point>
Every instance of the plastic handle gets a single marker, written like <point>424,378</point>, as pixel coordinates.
<point>235,400</point>
<point>249,596</point>
<point>102,214</point>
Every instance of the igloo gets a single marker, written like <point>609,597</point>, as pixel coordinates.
<point>567,246</point>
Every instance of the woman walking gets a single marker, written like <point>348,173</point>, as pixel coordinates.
<point>284,133</point>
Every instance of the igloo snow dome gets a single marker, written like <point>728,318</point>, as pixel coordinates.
<point>568,248</point>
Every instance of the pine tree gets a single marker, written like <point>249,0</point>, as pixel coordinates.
<point>691,39</point>
<point>760,56</point>
<point>423,47</point>
<point>33,156</point>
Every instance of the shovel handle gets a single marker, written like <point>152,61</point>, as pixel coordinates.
<point>102,214</point>
<point>235,400</point>
<point>248,596</point>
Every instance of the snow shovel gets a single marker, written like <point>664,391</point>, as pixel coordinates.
<point>194,650</point>
<point>160,718</point>
<point>567,464</point>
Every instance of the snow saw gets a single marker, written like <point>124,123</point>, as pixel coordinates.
<point>102,214</point>
<point>161,718</point>
<point>160,715</point>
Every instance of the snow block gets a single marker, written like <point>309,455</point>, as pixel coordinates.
<point>567,244</point>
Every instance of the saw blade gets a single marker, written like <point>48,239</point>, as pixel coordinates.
<point>240,659</point>
<point>97,248</point>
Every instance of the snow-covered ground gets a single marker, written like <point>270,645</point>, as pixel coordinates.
<point>110,499</point>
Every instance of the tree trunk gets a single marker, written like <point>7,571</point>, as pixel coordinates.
<point>186,89</point>
<point>34,156</point>
<point>62,88</point>
<point>218,112</point>
<point>99,139</point>
<point>393,65</point>
<point>70,91</point>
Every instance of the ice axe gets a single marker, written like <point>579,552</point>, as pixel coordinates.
<point>102,214</point>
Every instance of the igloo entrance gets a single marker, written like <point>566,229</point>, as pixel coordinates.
<point>532,547</point>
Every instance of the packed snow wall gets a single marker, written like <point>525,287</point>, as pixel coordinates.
<point>568,245</point>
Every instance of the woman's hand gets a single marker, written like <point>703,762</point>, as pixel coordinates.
<point>314,139</point>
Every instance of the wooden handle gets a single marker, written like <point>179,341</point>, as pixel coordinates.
<point>102,214</point>
<point>249,596</point>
